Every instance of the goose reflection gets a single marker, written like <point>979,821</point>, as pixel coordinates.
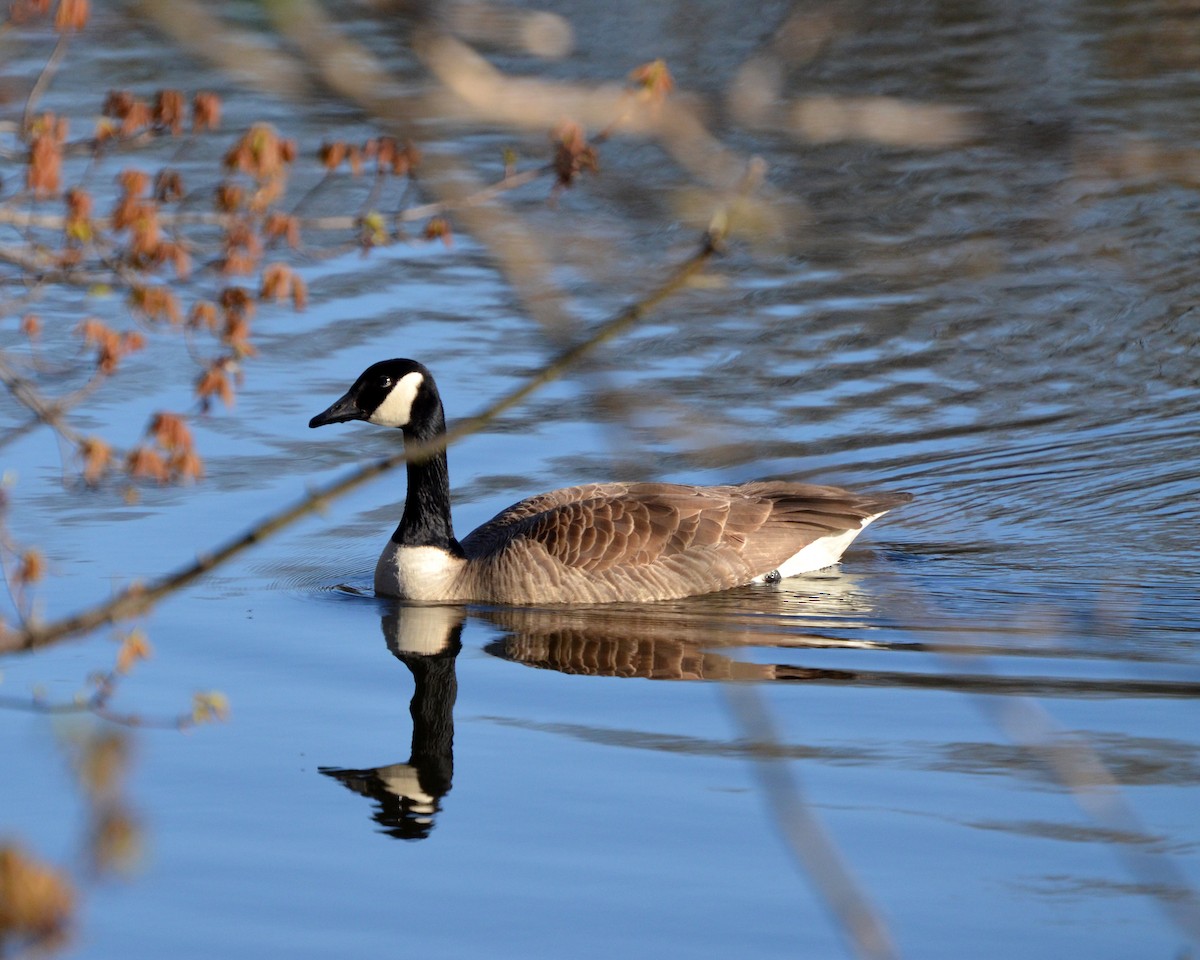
<point>698,639</point>
<point>714,640</point>
<point>657,641</point>
<point>646,644</point>
<point>709,640</point>
<point>408,795</point>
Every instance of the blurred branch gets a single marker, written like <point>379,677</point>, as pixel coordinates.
<point>488,95</point>
<point>45,411</point>
<point>1073,763</point>
<point>240,53</point>
<point>812,847</point>
<point>755,97</point>
<point>1076,766</point>
<point>535,32</point>
<point>205,707</point>
<point>44,78</point>
<point>885,120</point>
<point>1069,758</point>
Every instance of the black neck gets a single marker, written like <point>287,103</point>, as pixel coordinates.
<point>426,521</point>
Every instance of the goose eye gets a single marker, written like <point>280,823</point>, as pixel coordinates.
<point>385,381</point>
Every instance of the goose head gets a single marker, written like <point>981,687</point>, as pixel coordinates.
<point>391,393</point>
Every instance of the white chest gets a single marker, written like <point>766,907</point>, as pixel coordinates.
<point>418,573</point>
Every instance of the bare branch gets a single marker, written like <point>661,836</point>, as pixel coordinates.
<point>43,81</point>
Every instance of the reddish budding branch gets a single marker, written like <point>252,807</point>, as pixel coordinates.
<point>133,245</point>
<point>142,235</point>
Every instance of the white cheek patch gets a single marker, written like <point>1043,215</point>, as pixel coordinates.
<point>396,409</point>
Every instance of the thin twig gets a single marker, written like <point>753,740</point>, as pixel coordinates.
<point>28,396</point>
<point>1071,761</point>
<point>43,80</point>
<point>1076,766</point>
<point>509,182</point>
<point>97,704</point>
<point>18,217</point>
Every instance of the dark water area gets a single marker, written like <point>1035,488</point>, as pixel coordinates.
<point>1005,325</point>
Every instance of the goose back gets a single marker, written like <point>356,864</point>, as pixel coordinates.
<point>601,543</point>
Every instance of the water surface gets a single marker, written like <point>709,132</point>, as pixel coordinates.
<point>1007,329</point>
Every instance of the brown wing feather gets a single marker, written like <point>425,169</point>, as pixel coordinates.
<point>487,537</point>
<point>644,541</point>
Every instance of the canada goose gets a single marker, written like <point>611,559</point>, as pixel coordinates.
<point>596,543</point>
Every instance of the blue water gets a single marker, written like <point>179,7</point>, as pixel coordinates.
<point>1003,329</point>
